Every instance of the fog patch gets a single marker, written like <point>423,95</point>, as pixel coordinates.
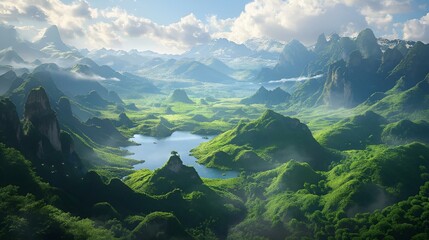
<point>296,79</point>
<point>91,77</point>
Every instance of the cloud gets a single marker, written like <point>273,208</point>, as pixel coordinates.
<point>187,32</point>
<point>305,20</point>
<point>70,18</point>
<point>417,29</point>
<point>285,20</point>
<point>103,34</point>
<point>296,79</point>
<point>82,25</point>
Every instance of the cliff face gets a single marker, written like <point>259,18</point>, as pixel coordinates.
<point>38,111</point>
<point>352,82</point>
<point>10,129</point>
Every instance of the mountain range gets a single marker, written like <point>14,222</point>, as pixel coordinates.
<point>291,142</point>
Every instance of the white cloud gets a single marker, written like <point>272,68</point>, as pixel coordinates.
<point>417,29</point>
<point>70,18</point>
<point>85,26</point>
<point>305,20</point>
<point>285,20</point>
<point>102,34</point>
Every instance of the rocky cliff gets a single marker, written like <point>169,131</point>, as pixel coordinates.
<point>38,111</point>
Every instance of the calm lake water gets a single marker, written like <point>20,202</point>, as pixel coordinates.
<point>156,153</point>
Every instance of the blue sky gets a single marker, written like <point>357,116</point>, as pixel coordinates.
<point>169,11</point>
<point>173,26</point>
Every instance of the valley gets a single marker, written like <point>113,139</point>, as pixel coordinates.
<point>224,141</point>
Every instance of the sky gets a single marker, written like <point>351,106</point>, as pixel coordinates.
<point>175,26</point>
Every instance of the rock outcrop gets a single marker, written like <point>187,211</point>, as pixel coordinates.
<point>38,111</point>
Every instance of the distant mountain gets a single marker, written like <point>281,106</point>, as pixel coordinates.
<point>187,69</point>
<point>219,48</point>
<point>19,92</point>
<point>296,60</point>
<point>93,100</point>
<point>269,97</point>
<point>218,65</point>
<point>179,95</point>
<point>264,45</point>
<point>114,80</point>
<point>292,62</point>
<point>350,83</point>
<point>130,61</point>
<point>51,37</point>
<point>264,143</point>
<point>409,104</point>
<point>6,81</point>
<point>10,39</point>
<point>10,57</point>
<point>367,44</point>
<point>413,67</point>
<point>73,84</point>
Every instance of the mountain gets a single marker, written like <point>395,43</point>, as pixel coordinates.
<point>93,100</point>
<point>38,111</point>
<point>409,104</point>
<point>187,69</point>
<point>292,62</point>
<point>390,59</point>
<point>413,67</point>
<point>308,92</point>
<point>268,97</point>
<point>70,83</point>
<point>179,95</point>
<point>51,38</point>
<point>262,144</point>
<point>50,151</point>
<point>95,130</point>
<point>10,57</point>
<point>200,72</point>
<point>218,65</point>
<point>367,71</point>
<point>367,44</point>
<point>218,48</point>
<point>6,81</point>
<point>170,225</point>
<point>171,176</point>
<point>11,39</point>
<point>406,131</point>
<point>354,133</point>
<point>350,83</point>
<point>10,127</point>
<point>264,45</point>
<point>112,79</point>
<point>20,91</point>
<point>296,60</point>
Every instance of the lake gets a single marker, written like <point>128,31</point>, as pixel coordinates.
<point>156,153</point>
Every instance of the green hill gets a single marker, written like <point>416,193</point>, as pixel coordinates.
<point>171,176</point>
<point>269,97</point>
<point>353,133</point>
<point>264,143</point>
<point>412,103</point>
<point>406,131</point>
<point>179,95</point>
